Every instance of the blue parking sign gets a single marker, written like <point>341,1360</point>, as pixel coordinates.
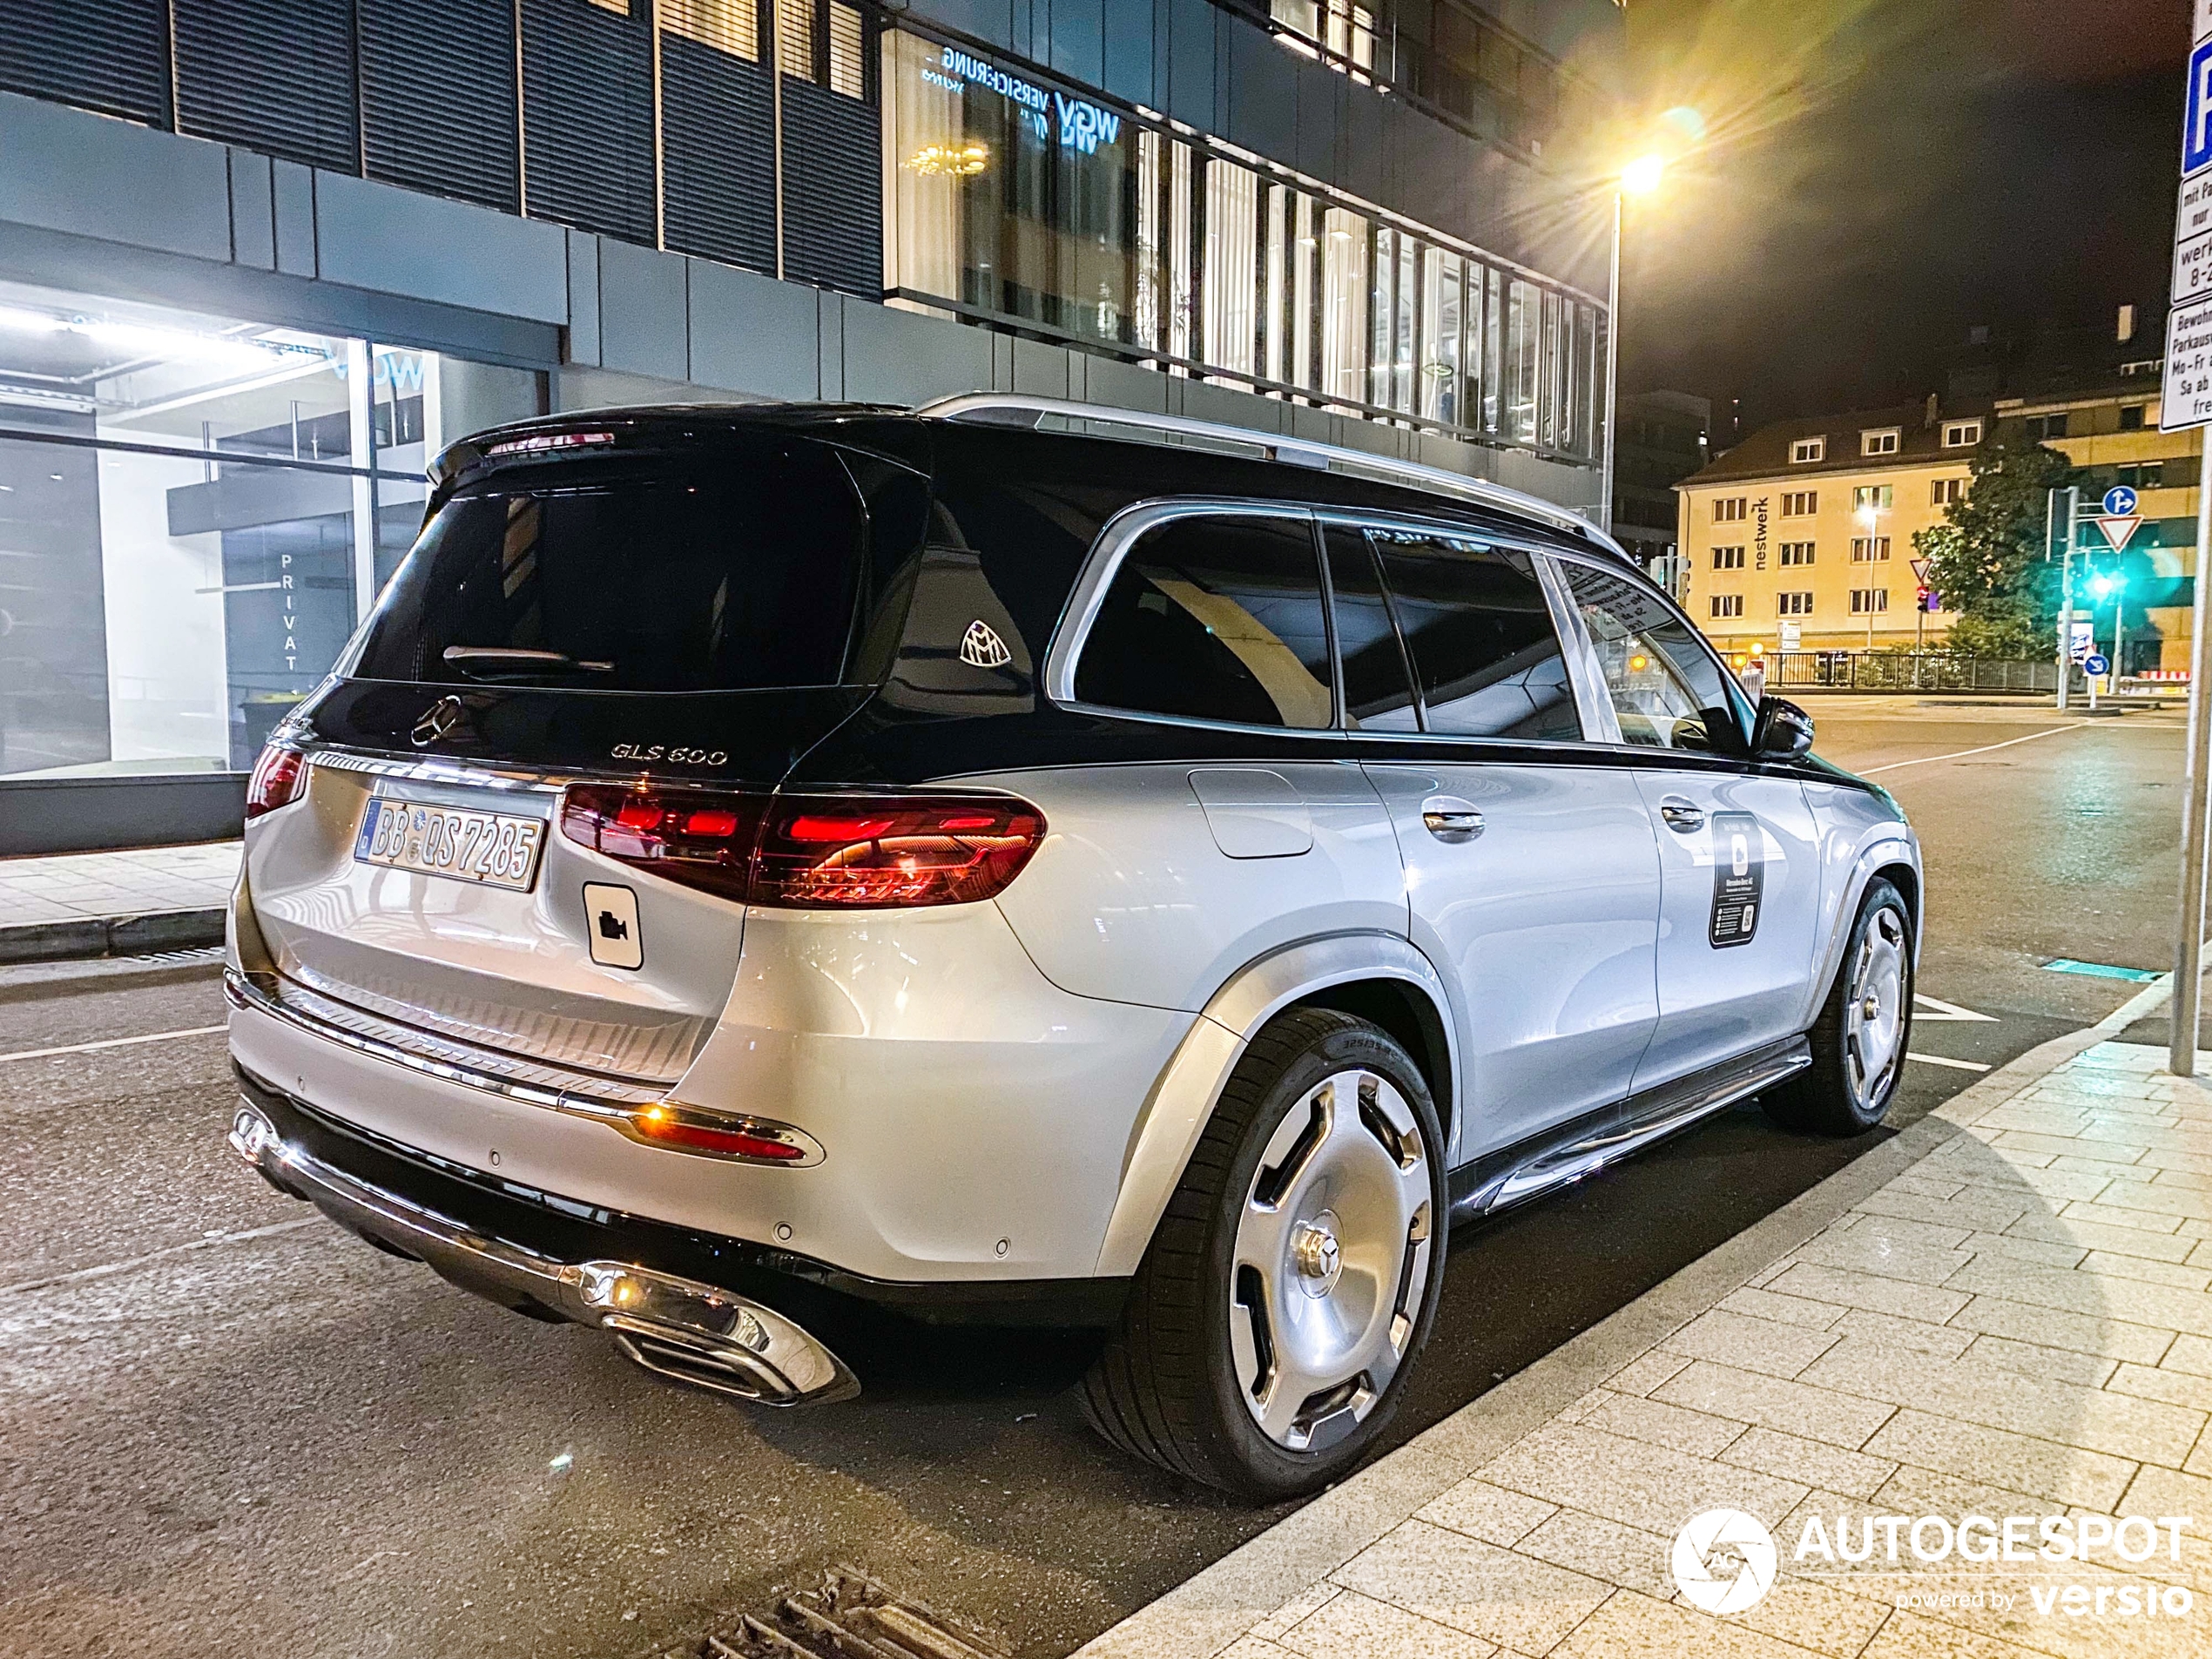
<point>2196,131</point>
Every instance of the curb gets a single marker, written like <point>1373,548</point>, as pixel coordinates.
<point>96,936</point>
<point>1208,1611</point>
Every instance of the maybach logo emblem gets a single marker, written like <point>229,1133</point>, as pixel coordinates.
<point>981,647</point>
<point>1723,1560</point>
<point>437,721</point>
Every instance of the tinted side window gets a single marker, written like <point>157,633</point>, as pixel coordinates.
<point>1377,695</point>
<point>1214,619</point>
<point>1666,688</point>
<point>1484,650</point>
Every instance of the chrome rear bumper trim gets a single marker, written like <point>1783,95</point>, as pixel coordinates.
<point>535,1082</point>
<point>677,1327</point>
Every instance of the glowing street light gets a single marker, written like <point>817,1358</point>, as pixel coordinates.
<point>1642,176</point>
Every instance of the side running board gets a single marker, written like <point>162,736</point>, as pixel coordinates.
<point>1642,1120</point>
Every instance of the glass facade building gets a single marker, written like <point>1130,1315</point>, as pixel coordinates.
<point>195,513</point>
<point>1016,200</point>
<point>257,269</point>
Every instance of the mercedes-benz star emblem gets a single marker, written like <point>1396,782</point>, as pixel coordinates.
<point>438,720</point>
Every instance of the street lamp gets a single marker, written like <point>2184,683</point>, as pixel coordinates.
<point>1871,515</point>
<point>1640,177</point>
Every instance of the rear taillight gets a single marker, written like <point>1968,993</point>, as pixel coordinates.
<point>699,838</point>
<point>280,776</point>
<point>830,853</point>
<point>812,851</point>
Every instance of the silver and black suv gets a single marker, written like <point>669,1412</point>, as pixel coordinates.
<point>1019,863</point>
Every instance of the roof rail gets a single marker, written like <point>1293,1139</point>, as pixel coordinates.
<point>1010,408</point>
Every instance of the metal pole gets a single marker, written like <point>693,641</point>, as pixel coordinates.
<point>2066,596</point>
<point>2181,1057</point>
<point>1612,355</point>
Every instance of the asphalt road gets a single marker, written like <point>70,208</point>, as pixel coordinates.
<point>228,1428</point>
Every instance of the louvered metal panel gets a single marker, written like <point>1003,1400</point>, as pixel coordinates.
<point>276,76</point>
<point>587,117</point>
<point>438,98</point>
<point>112,55</point>
<point>832,190</point>
<point>719,156</point>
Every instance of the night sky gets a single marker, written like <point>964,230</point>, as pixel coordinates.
<point>1878,175</point>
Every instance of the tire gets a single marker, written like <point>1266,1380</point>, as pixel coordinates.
<point>1858,1057</point>
<point>1214,1371</point>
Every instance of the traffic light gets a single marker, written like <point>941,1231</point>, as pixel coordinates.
<point>1924,598</point>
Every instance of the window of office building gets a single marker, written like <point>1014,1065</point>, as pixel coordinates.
<point>1880,442</point>
<point>1804,450</point>
<point>1876,498</point>
<point>1728,558</point>
<point>197,511</point>
<point>1017,200</point>
<point>1961,435</point>
<point>1794,552</point>
<point>1869,602</point>
<point>1793,604</point>
<point>1728,510</point>
<point>1943,491</point>
<point>2041,426</point>
<point>1728,604</point>
<point>1800,504</point>
<point>1869,549</point>
<point>2131,417</point>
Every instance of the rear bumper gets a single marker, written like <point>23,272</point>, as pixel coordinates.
<point>696,1333</point>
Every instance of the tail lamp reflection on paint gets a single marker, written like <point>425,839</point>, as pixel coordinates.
<point>279,777</point>
<point>812,851</point>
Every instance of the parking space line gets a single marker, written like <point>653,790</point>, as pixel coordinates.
<point>1938,1060</point>
<point>112,1043</point>
<point>2048,732</point>
<point>107,1268</point>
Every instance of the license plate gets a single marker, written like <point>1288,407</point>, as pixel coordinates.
<point>493,849</point>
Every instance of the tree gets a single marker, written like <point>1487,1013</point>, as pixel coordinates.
<point>1986,557</point>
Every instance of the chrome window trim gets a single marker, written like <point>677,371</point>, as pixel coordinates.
<point>1743,763</point>
<point>1121,533</point>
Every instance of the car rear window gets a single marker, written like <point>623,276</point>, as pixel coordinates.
<point>738,570</point>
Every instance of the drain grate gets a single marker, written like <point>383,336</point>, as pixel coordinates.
<point>850,1615</point>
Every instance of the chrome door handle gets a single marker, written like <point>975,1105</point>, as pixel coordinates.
<point>1462,824</point>
<point>1682,817</point>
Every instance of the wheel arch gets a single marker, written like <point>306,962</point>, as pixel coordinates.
<point>1376,976</point>
<point>1895,858</point>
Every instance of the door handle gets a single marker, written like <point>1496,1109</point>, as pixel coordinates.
<point>1457,823</point>
<point>1682,817</point>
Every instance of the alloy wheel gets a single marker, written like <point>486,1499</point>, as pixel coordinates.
<point>1333,1256</point>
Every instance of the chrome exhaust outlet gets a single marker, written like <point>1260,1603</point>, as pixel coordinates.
<point>674,1327</point>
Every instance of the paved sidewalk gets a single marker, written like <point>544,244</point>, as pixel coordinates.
<point>2006,1310</point>
<point>95,904</point>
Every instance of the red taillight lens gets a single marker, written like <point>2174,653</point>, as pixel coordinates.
<point>819,852</point>
<point>701,840</point>
<point>833,853</point>
<point>279,775</point>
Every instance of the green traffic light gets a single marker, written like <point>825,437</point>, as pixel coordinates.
<point>2105,586</point>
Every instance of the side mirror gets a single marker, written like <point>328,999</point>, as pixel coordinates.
<point>1783,731</point>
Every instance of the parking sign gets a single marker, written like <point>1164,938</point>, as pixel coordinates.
<point>2186,398</point>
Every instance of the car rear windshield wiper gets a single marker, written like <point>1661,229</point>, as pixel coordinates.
<point>478,661</point>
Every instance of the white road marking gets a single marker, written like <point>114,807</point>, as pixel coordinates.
<point>2048,732</point>
<point>107,1268</point>
<point>1944,1010</point>
<point>112,1043</point>
<point>1938,1060</point>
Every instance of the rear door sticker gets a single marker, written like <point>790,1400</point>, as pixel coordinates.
<point>610,924</point>
<point>1739,879</point>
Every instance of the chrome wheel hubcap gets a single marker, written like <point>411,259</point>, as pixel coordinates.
<point>1331,1260</point>
<point>1875,1022</point>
